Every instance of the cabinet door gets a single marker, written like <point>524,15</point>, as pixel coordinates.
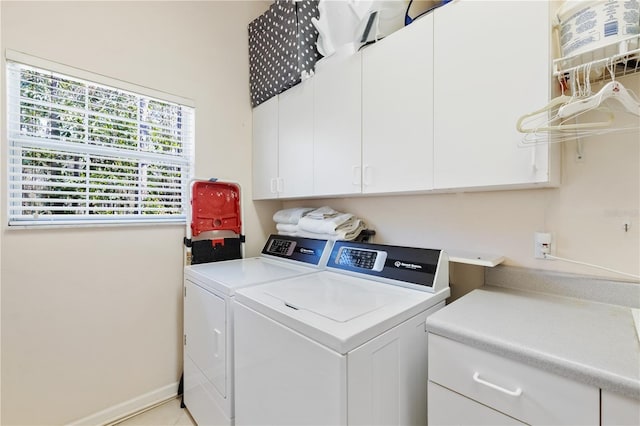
<point>619,410</point>
<point>265,149</point>
<point>397,111</point>
<point>491,66</point>
<point>295,145</point>
<point>337,126</point>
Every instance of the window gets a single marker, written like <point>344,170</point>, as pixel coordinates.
<point>83,152</point>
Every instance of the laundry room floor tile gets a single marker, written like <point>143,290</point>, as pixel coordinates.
<point>167,414</point>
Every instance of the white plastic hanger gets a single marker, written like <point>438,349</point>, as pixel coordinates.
<point>554,103</point>
<point>553,121</point>
<point>612,90</point>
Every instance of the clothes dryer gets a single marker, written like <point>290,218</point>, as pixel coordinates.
<point>208,318</point>
<point>345,346</point>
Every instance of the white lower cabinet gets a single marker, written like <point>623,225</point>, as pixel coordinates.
<point>505,386</point>
<point>619,410</point>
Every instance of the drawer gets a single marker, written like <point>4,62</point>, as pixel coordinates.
<point>526,393</point>
<point>446,408</point>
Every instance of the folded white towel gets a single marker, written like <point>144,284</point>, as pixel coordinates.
<point>289,228</point>
<point>322,213</point>
<point>290,234</point>
<point>346,234</point>
<point>329,225</point>
<point>292,215</point>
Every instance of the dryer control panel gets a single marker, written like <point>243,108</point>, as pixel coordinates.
<point>421,268</point>
<point>307,250</point>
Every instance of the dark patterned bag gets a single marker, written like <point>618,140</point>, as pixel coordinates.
<point>282,45</point>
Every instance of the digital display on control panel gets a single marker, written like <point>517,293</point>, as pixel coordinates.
<point>361,258</point>
<point>281,247</point>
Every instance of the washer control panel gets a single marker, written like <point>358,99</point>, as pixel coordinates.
<point>361,258</point>
<point>420,268</point>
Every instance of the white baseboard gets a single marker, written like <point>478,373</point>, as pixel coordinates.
<point>130,407</point>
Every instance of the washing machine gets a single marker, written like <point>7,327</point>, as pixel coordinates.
<point>345,346</point>
<point>208,318</point>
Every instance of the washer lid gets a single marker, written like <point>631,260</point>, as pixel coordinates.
<point>330,298</point>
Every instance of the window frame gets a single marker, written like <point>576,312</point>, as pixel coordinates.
<point>142,217</point>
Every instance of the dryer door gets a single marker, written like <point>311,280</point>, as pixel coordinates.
<point>205,330</point>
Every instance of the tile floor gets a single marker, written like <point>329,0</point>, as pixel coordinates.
<point>167,414</point>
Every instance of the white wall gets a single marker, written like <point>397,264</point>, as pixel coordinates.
<point>585,214</point>
<point>92,317</point>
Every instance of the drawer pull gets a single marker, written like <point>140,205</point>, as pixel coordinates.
<point>476,377</point>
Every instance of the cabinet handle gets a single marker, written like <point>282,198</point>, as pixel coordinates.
<point>366,174</point>
<point>280,184</point>
<point>273,186</point>
<point>356,180</point>
<point>517,392</point>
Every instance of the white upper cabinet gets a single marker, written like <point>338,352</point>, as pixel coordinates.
<point>283,145</point>
<point>397,111</point>
<point>337,126</point>
<point>265,150</point>
<point>431,107</point>
<point>295,158</point>
<point>491,66</point>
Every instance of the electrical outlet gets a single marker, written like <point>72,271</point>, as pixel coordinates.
<point>541,244</point>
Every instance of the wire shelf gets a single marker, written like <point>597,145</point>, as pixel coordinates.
<point>621,57</point>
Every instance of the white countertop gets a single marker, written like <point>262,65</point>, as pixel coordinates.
<point>591,342</point>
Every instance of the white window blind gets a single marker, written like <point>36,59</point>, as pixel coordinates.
<point>81,152</point>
